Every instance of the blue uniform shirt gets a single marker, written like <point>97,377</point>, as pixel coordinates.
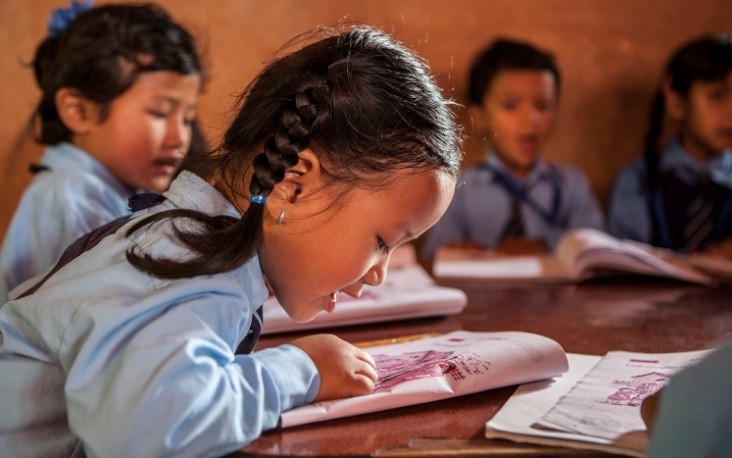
<point>629,214</point>
<point>77,194</point>
<point>109,360</point>
<point>481,207</point>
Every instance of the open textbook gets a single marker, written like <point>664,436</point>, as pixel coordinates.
<point>594,406</point>
<point>580,254</point>
<point>441,367</point>
<point>409,292</point>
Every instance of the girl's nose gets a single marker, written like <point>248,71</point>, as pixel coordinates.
<point>377,275</point>
<point>177,134</point>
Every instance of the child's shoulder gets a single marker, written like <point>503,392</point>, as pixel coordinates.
<point>634,170</point>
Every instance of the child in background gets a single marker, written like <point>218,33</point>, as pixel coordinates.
<point>680,196</point>
<point>127,347</point>
<point>119,87</point>
<point>515,201</point>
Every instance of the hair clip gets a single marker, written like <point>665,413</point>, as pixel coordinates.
<point>62,17</point>
<point>257,199</point>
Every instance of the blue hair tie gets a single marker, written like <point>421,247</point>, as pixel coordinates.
<point>62,17</point>
<point>257,199</point>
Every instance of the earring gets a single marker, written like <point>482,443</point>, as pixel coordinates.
<point>281,217</point>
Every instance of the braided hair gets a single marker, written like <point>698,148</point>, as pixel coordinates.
<point>358,98</point>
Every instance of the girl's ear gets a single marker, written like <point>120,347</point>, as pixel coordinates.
<point>674,102</point>
<point>301,179</point>
<point>77,112</point>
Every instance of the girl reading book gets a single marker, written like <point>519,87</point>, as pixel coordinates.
<point>129,345</point>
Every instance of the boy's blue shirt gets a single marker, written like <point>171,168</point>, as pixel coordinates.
<point>481,206</point>
<point>628,212</point>
<point>77,194</point>
<point>109,360</point>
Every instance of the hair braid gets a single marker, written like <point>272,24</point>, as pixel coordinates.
<point>296,120</point>
<point>362,101</point>
<point>292,135</point>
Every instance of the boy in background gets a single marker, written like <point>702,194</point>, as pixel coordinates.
<point>515,201</point>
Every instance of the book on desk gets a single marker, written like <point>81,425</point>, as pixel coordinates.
<point>581,254</point>
<point>595,405</point>
<point>441,367</point>
<point>409,292</point>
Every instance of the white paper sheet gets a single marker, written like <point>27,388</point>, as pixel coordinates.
<point>606,402</point>
<point>409,292</point>
<point>446,366</point>
<point>516,420</point>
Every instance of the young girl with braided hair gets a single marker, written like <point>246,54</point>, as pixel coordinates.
<point>119,85</point>
<point>679,195</point>
<point>139,342</point>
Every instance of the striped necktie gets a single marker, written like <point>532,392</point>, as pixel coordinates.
<point>701,215</point>
<point>515,227</point>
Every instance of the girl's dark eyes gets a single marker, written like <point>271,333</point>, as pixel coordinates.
<point>382,245</point>
<point>544,106</point>
<point>158,114</point>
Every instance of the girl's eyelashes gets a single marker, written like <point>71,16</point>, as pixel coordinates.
<point>382,246</point>
<point>187,121</point>
<point>158,114</point>
<point>544,105</point>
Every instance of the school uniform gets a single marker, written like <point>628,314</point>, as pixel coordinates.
<point>551,200</point>
<point>109,360</point>
<point>72,194</point>
<point>695,414</point>
<point>672,216</point>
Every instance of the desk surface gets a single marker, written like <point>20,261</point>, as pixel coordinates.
<point>612,314</point>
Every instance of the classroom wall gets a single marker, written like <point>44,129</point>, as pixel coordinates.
<point>610,53</point>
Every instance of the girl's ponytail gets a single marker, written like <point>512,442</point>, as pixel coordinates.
<point>651,153</point>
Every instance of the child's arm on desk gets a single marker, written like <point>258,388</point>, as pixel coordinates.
<point>345,370</point>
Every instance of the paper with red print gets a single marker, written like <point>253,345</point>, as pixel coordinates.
<point>442,367</point>
<point>606,402</point>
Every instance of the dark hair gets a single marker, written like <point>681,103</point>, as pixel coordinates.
<point>360,99</point>
<point>101,54</point>
<point>505,54</point>
<point>707,59</point>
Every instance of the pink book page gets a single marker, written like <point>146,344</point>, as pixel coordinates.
<point>441,367</point>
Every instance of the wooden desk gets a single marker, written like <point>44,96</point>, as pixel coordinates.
<point>594,318</point>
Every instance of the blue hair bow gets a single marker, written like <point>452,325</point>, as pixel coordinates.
<point>62,17</point>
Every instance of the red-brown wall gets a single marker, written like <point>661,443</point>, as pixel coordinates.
<point>610,53</point>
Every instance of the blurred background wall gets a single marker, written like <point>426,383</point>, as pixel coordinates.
<point>610,52</point>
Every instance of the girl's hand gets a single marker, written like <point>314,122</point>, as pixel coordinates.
<point>345,370</point>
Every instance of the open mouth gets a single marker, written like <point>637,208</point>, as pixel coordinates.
<point>529,142</point>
